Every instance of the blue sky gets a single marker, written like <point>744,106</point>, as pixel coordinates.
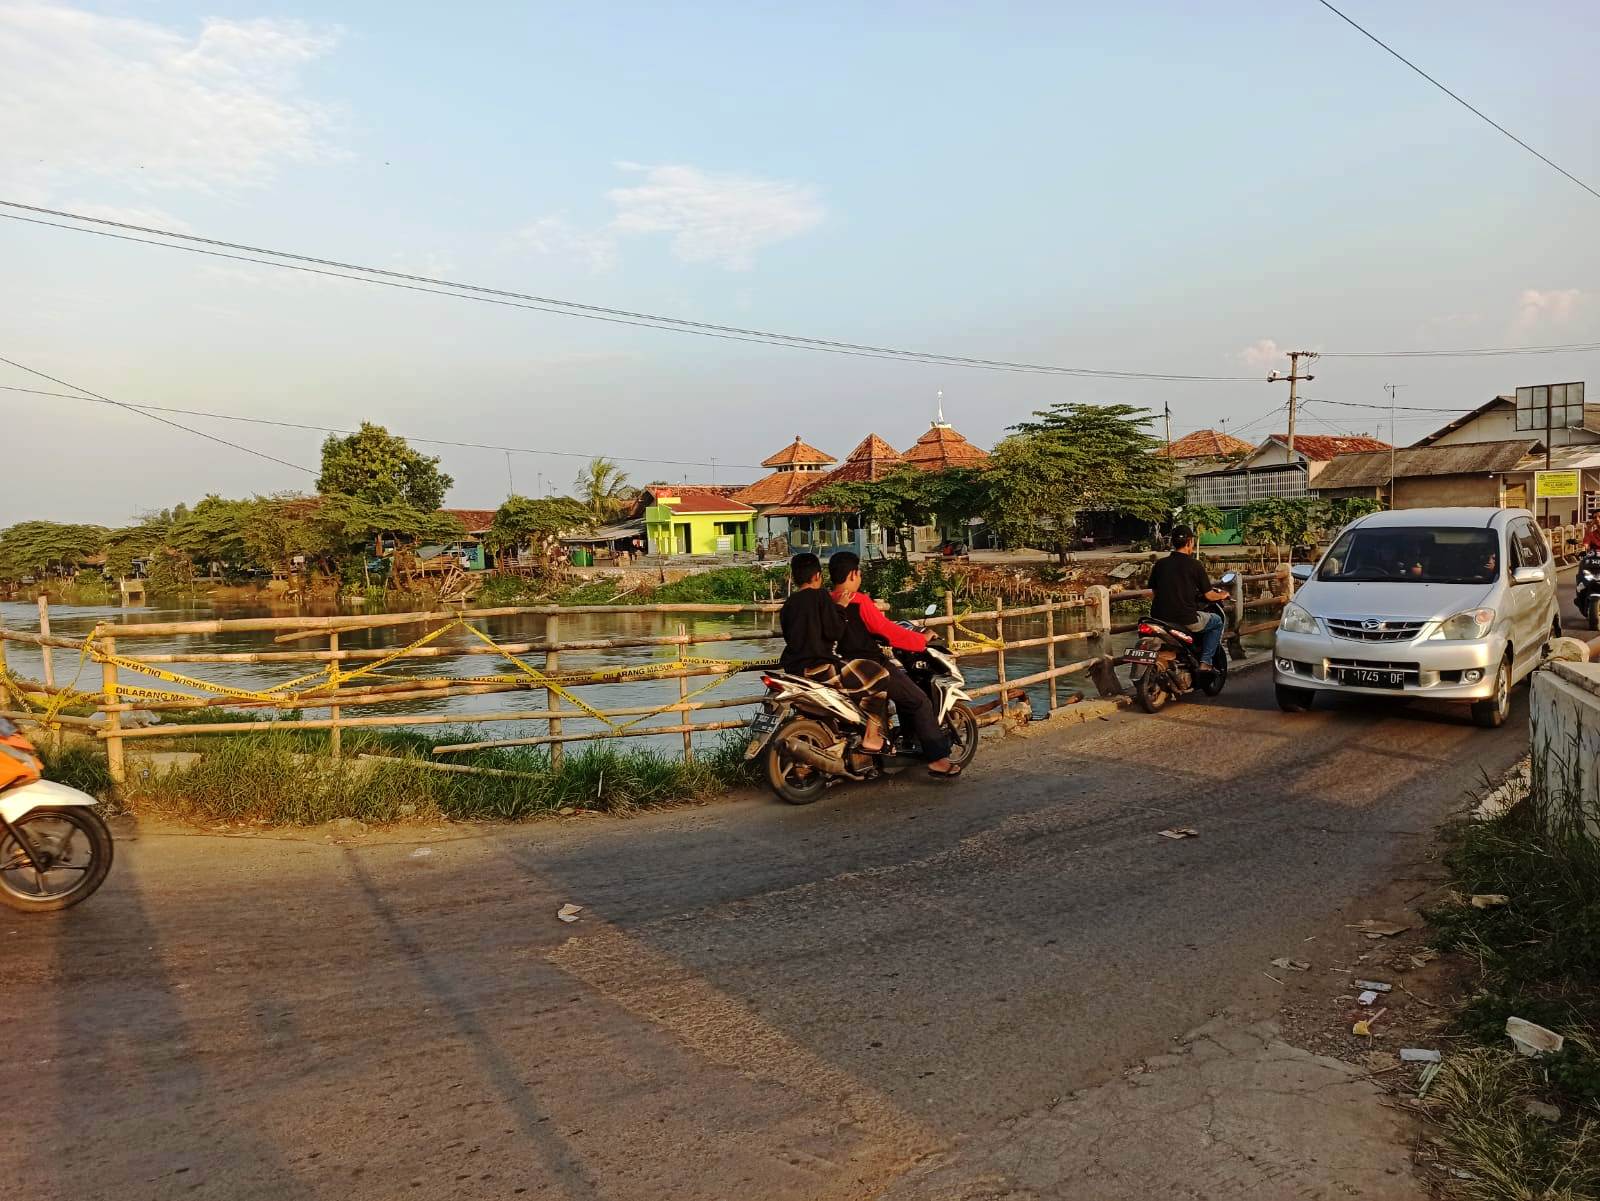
<point>1150,186</point>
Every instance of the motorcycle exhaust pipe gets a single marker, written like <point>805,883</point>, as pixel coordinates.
<point>828,761</point>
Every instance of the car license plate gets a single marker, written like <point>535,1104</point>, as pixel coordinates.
<point>1142,654</point>
<point>760,730</point>
<point>1372,677</point>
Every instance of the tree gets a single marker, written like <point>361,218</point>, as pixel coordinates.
<point>898,501</point>
<point>380,468</point>
<point>603,487</point>
<point>345,526</point>
<point>35,547</point>
<point>523,519</point>
<point>1202,519</point>
<point>282,526</point>
<point>1074,458</point>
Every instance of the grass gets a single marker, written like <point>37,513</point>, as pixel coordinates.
<point>286,778</point>
<point>1539,959</point>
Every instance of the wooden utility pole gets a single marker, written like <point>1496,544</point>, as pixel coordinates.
<point>1391,389</point>
<point>1166,412</point>
<point>1294,377</point>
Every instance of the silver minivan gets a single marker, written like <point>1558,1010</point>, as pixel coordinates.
<point>1440,604</point>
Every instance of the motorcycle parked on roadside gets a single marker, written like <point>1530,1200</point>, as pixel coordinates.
<point>1166,660</point>
<point>55,849</point>
<point>1588,596</point>
<point>809,733</point>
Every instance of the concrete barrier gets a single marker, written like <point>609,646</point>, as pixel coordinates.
<point>1564,709</point>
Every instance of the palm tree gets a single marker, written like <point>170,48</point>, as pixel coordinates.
<point>603,487</point>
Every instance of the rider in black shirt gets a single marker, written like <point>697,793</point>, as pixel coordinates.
<point>1181,587</point>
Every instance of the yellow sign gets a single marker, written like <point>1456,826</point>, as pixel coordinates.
<point>1557,485</point>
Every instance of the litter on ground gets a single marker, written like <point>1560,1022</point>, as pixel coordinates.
<point>1419,1055</point>
<point>1488,900</point>
<point>1373,928</point>
<point>421,852</point>
<point>1425,1081</point>
<point>1292,965</point>
<point>569,912</point>
<point>1531,1039</point>
<point>1179,832</point>
<point>1373,985</point>
<point>1367,997</point>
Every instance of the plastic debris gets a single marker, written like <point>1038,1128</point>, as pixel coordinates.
<point>569,912</point>
<point>1488,900</point>
<point>1373,928</point>
<point>1364,1026</point>
<point>1373,985</point>
<point>565,811</point>
<point>1179,832</point>
<point>1292,965</point>
<point>1542,1109</point>
<point>1531,1039</point>
<point>1367,997</point>
<point>1423,958</point>
<point>421,852</point>
<point>1419,1055</point>
<point>1425,1081</point>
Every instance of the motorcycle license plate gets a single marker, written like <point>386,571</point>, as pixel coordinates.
<point>1372,677</point>
<point>1142,654</point>
<point>760,731</point>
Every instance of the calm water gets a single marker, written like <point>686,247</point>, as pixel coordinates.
<point>77,621</point>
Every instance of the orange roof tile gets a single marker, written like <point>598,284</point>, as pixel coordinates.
<point>1208,444</point>
<point>698,500</point>
<point>941,448</point>
<point>474,521</point>
<point>799,454</point>
<point>1319,448</point>
<point>776,488</point>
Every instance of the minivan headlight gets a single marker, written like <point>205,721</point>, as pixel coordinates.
<point>1474,623</point>
<point>1296,620</point>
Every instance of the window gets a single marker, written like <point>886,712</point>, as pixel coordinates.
<point>1466,555</point>
<point>1527,545</point>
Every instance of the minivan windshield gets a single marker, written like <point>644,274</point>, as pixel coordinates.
<point>1468,555</point>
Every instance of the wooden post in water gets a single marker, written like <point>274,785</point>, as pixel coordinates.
<point>334,742</point>
<point>44,632</point>
<point>1050,650</point>
<point>552,699</point>
<point>108,682</point>
<point>687,717</point>
<point>1000,654</point>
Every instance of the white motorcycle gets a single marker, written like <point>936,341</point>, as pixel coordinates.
<point>55,848</point>
<point>810,732</point>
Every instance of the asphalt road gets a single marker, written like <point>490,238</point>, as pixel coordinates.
<point>757,1001</point>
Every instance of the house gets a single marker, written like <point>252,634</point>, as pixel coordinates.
<point>695,521</point>
<point>1269,470</point>
<point>1421,477</point>
<point>1557,411</point>
<point>476,523</point>
<point>822,529</point>
<point>793,467</point>
<point>1205,450</point>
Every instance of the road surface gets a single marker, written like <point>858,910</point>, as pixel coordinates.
<point>757,1000</point>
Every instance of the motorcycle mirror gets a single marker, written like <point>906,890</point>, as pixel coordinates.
<point>930,610</point>
<point>1229,576</point>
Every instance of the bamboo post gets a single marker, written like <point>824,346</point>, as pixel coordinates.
<point>950,612</point>
<point>1000,651</point>
<point>108,683</point>
<point>334,741</point>
<point>44,632</point>
<point>683,697</point>
<point>1050,651</point>
<point>552,699</point>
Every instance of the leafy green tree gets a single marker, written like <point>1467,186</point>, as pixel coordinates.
<point>280,527</point>
<point>380,468</point>
<point>1341,511</point>
<point>36,547</point>
<point>1074,458</point>
<point>530,520</point>
<point>346,526</point>
<point>1202,519</point>
<point>900,500</point>
<point>603,487</point>
<point>130,542</point>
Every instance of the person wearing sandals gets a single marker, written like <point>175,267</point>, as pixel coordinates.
<point>812,625</point>
<point>866,635</point>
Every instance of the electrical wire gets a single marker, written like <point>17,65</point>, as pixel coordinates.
<point>96,397</point>
<point>568,308</point>
<point>328,429</point>
<point>1477,112</point>
<point>1470,353</point>
<point>1351,404</point>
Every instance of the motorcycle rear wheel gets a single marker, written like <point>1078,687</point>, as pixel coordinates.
<point>1149,691</point>
<point>78,843</point>
<point>793,781</point>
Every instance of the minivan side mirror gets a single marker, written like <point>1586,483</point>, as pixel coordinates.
<point>1529,575</point>
<point>1302,571</point>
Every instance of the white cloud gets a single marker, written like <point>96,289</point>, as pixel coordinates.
<point>713,217</point>
<point>1544,309</point>
<point>94,97</point>
<point>1262,353</point>
<point>555,235</point>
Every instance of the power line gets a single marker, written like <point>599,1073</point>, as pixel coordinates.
<point>1470,353</point>
<point>328,429</point>
<point>1479,113</point>
<point>96,397</point>
<point>568,308</point>
<point>1351,404</point>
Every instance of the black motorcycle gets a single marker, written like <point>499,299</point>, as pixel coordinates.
<point>1166,660</point>
<point>1588,598</point>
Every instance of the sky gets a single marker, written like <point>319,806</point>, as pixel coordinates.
<point>1153,186</point>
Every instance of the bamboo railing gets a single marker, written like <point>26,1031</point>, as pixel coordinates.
<point>1075,641</point>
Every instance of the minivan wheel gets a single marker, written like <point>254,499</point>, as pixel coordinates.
<point>1492,713</point>
<point>1293,700</point>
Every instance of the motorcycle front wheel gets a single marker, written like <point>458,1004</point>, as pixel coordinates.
<point>961,725</point>
<point>73,846</point>
<point>793,781</point>
<point>1219,678</point>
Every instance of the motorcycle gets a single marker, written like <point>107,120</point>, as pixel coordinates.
<point>1588,597</point>
<point>1166,662</point>
<point>810,732</point>
<point>55,849</point>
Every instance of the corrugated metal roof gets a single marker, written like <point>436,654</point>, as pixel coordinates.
<point>1469,458</point>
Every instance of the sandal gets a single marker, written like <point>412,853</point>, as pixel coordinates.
<point>952,773</point>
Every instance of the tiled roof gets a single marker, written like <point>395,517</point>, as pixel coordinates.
<point>698,500</point>
<point>474,521</point>
<point>776,488</point>
<point>869,462</point>
<point>1208,444</point>
<point>942,448</point>
<point>799,454</point>
<point>1319,448</point>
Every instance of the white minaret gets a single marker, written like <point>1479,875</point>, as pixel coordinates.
<point>939,423</point>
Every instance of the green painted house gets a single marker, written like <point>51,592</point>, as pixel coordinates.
<point>693,521</point>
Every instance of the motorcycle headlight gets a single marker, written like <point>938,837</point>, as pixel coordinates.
<point>1296,620</point>
<point>1474,623</point>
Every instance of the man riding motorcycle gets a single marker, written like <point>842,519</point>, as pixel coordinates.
<point>1180,588</point>
<point>812,624</point>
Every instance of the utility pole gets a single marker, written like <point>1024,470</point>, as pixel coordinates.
<point>511,484</point>
<point>1391,389</point>
<point>1294,377</point>
<point>1166,412</point>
